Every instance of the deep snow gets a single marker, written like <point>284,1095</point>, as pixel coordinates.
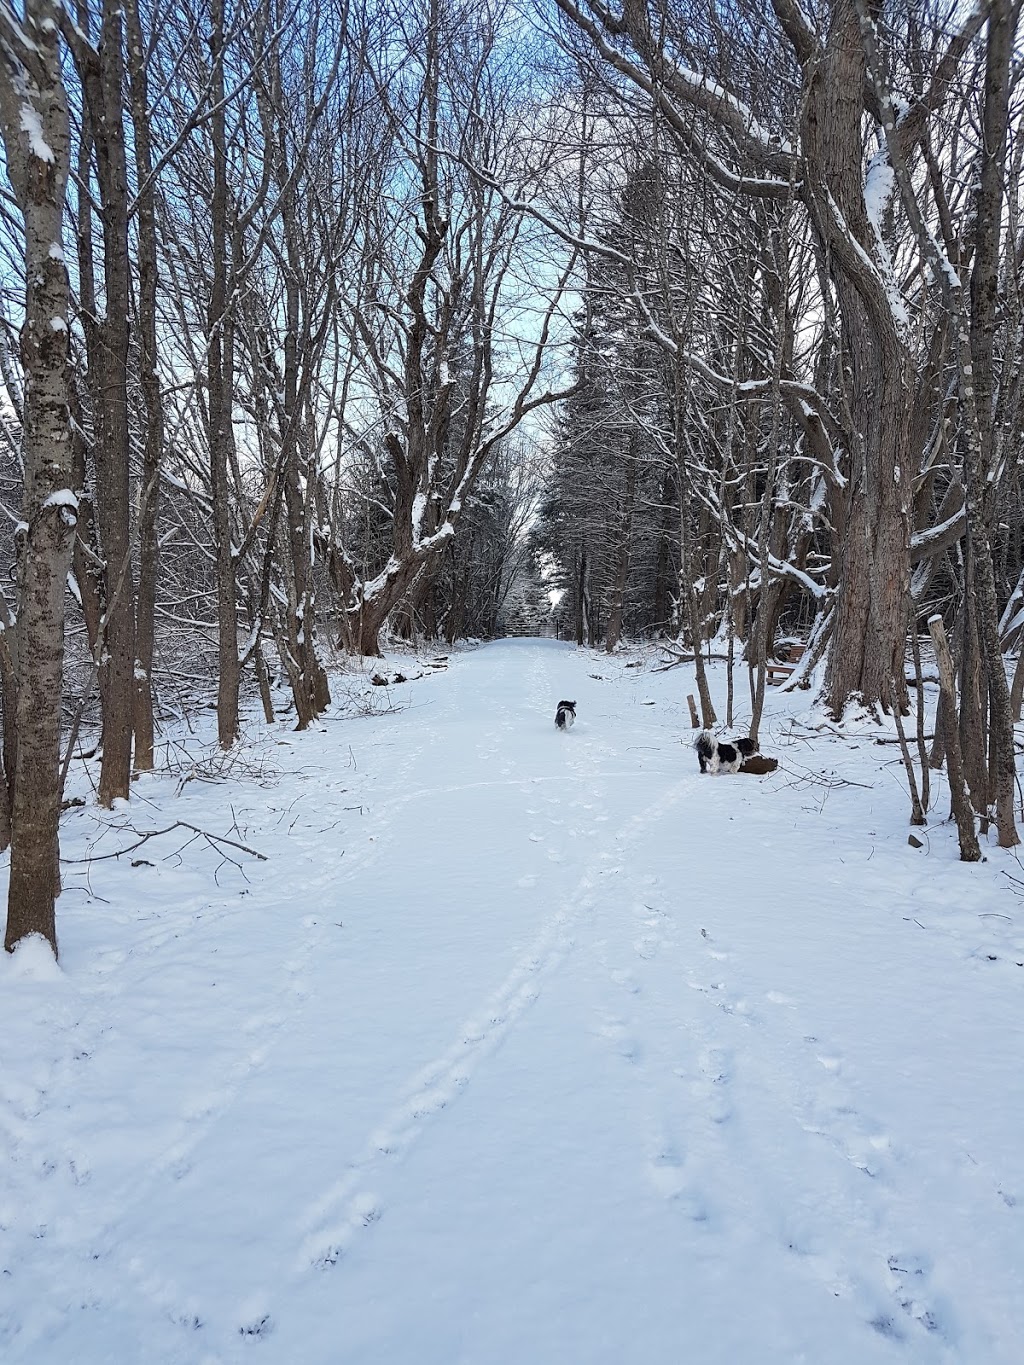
<point>520,1047</point>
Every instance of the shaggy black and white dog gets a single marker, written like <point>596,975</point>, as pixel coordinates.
<point>565,715</point>
<point>715,756</point>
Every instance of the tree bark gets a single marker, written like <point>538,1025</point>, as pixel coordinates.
<point>149,503</point>
<point>101,70</point>
<point>970,850</point>
<point>625,536</point>
<point>867,652</point>
<point>34,121</point>
<point>220,381</point>
<point>980,374</point>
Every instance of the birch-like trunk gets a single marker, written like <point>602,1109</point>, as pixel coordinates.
<point>34,123</point>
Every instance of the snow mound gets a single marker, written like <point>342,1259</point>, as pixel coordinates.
<point>33,960</point>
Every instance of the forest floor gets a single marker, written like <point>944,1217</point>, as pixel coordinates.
<point>517,1047</point>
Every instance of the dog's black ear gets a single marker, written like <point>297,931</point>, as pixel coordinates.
<point>746,747</point>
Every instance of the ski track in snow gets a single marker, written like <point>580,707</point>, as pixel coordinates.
<point>353,1204</point>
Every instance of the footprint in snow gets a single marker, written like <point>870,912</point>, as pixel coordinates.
<point>716,1064</point>
<point>909,1275</point>
<point>647,946</point>
<point>621,1039</point>
<point>865,1145</point>
<point>626,980</point>
<point>665,1172</point>
<point>648,914</point>
<point>777,998</point>
<point>331,1247</point>
<point>712,1090</point>
<point>667,1175</point>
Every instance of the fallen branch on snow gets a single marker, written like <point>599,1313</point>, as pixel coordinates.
<point>216,841</point>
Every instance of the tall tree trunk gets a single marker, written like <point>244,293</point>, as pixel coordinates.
<point>970,851</point>
<point>621,578</point>
<point>867,651</point>
<point>663,569</point>
<point>580,598</point>
<point>34,122</point>
<point>102,75</point>
<point>980,452</point>
<point>8,709</point>
<point>149,502</point>
<point>220,379</point>
<point>87,561</point>
<point>973,718</point>
<point>112,457</point>
<point>687,596</point>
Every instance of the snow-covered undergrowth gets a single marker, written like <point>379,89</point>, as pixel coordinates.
<point>436,1036</point>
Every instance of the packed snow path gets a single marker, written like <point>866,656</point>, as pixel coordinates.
<point>521,1047</point>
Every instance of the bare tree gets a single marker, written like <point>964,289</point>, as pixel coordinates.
<point>106,320</point>
<point>147,309</point>
<point>437,287</point>
<point>34,123</point>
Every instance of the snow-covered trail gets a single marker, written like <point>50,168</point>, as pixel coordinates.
<point>522,1046</point>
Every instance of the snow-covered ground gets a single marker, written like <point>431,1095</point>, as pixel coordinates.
<point>518,1048</point>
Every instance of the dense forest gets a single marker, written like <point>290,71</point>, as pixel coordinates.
<point>326,325</point>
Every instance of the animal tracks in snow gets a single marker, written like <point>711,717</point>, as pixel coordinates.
<point>909,1282</point>
<point>823,1101</point>
<point>749,1075</point>
<point>671,1179</point>
<point>712,1089</point>
<point>622,1040</point>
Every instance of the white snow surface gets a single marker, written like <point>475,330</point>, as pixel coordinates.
<point>520,1047</point>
